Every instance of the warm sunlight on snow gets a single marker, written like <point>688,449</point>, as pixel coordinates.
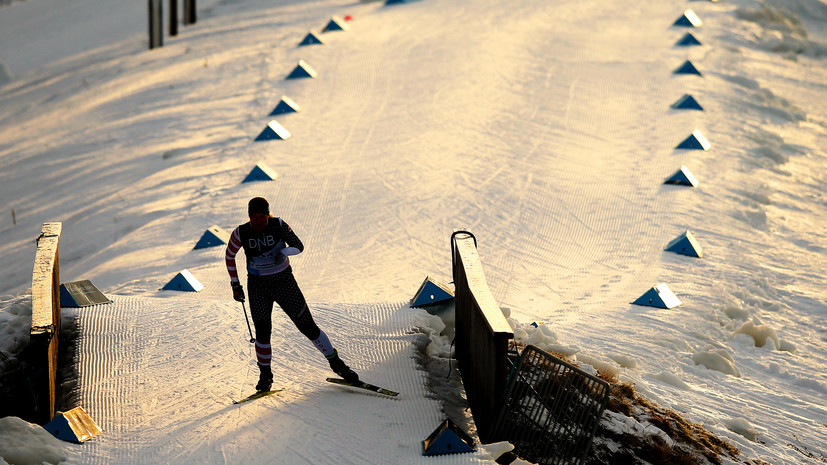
<point>546,128</point>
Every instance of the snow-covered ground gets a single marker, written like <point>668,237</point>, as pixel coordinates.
<point>543,127</point>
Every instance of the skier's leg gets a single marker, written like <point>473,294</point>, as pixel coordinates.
<point>291,300</point>
<point>261,309</point>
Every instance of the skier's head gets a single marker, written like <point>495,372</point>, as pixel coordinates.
<point>259,210</point>
<point>258,205</point>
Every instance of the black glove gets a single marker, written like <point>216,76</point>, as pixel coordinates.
<point>238,291</point>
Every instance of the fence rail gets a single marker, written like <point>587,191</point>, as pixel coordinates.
<point>45,329</point>
<point>482,335</point>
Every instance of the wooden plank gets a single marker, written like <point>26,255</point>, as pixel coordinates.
<point>46,319</point>
<point>43,281</point>
<point>482,336</point>
<point>479,287</point>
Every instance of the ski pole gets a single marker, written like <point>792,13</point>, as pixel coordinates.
<point>252,339</point>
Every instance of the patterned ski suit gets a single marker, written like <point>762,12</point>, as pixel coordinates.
<point>270,279</point>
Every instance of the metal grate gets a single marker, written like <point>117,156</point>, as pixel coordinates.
<point>551,409</point>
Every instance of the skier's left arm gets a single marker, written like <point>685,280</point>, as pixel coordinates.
<point>294,244</point>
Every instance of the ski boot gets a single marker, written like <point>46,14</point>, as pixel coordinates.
<point>341,369</point>
<point>265,379</point>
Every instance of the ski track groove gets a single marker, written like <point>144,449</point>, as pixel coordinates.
<point>107,376</point>
<point>575,245</point>
<point>310,189</point>
<point>138,345</point>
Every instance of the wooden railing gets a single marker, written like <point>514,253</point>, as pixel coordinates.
<point>482,336</point>
<point>45,321</point>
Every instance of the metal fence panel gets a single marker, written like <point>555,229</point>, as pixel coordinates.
<point>551,409</point>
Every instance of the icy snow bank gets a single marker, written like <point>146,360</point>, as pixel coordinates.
<point>761,334</point>
<point>438,343</point>
<point>538,335</point>
<point>718,360</point>
<point>783,31</point>
<point>496,450</point>
<point>673,380</point>
<point>15,321</point>
<point>543,337</point>
<point>22,443</point>
<point>773,18</point>
<point>743,427</point>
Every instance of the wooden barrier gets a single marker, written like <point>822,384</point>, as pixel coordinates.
<point>156,27</point>
<point>45,320</point>
<point>482,336</point>
<point>190,14</point>
<point>173,18</point>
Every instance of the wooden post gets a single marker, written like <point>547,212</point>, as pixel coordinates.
<point>173,18</point>
<point>189,12</point>
<point>43,339</point>
<point>156,32</point>
<point>482,335</point>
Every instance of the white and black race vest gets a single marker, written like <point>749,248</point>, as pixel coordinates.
<point>263,250</point>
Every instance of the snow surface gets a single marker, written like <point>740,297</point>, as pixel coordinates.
<point>24,442</point>
<point>543,127</point>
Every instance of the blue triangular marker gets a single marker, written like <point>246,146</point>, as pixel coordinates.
<point>398,2</point>
<point>688,19</point>
<point>302,70</point>
<point>311,39</point>
<point>448,439</point>
<point>431,292</point>
<point>688,40</point>
<point>66,298</point>
<point>682,177</point>
<point>335,24</point>
<point>183,281</point>
<point>261,172</point>
<point>273,131</point>
<point>81,294</point>
<point>659,296</point>
<point>685,244</point>
<point>74,426</point>
<point>696,141</point>
<point>687,68</point>
<point>285,105</point>
<point>212,237</point>
<point>687,102</point>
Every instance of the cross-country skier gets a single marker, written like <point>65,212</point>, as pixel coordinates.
<point>267,242</point>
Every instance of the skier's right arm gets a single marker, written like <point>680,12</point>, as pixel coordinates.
<point>232,249</point>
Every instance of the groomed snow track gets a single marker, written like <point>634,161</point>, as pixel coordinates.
<point>156,373</point>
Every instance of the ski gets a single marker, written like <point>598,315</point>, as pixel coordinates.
<point>257,395</point>
<point>365,386</point>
